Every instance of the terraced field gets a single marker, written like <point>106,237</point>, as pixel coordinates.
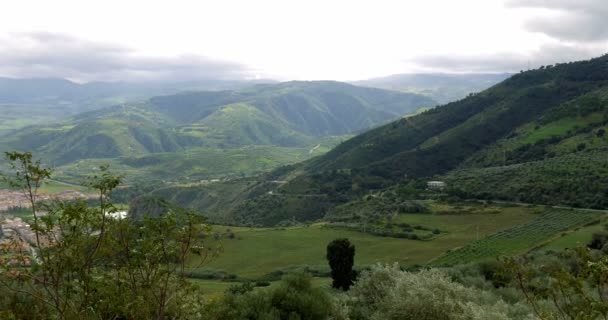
<point>519,238</point>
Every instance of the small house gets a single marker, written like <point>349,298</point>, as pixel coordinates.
<point>437,185</point>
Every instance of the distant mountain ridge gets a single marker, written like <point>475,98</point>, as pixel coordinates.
<point>441,87</point>
<point>42,100</point>
<point>290,114</point>
<point>58,91</point>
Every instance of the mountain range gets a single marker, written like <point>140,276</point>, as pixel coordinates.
<point>30,101</point>
<point>538,137</point>
<point>41,100</point>
<point>291,114</point>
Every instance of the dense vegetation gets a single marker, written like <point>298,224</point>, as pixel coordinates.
<point>537,137</point>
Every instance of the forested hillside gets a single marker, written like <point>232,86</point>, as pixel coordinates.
<point>517,141</point>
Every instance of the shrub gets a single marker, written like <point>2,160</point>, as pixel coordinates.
<point>386,292</point>
<point>598,240</point>
<point>294,298</point>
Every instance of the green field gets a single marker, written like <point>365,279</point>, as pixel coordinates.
<point>521,237</point>
<point>53,187</point>
<point>256,252</point>
<point>576,238</point>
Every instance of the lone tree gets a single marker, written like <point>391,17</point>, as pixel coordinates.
<point>341,257</point>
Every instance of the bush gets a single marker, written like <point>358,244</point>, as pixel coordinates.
<point>386,292</point>
<point>294,298</point>
<point>598,240</point>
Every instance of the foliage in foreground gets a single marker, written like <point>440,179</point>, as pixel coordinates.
<point>573,285</point>
<point>294,298</point>
<point>386,292</point>
<point>381,293</point>
<point>86,265</point>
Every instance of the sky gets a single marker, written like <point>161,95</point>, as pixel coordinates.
<point>180,40</point>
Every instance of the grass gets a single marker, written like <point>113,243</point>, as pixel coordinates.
<point>554,129</point>
<point>261,251</point>
<point>519,238</point>
<point>577,238</point>
<point>53,187</point>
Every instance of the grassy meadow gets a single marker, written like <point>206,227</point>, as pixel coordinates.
<point>256,252</point>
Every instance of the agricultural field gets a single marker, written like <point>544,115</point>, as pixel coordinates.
<point>254,253</point>
<point>573,239</point>
<point>521,237</point>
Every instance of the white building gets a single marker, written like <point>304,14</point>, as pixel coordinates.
<point>436,185</point>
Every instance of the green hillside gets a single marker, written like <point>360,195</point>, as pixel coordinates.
<point>117,131</point>
<point>293,114</point>
<point>441,139</point>
<point>537,137</point>
<point>196,164</point>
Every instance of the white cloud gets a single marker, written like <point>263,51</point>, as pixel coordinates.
<point>289,39</point>
<point>44,54</point>
<point>571,20</point>
<point>507,61</point>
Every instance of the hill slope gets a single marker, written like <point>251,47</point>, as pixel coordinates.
<point>443,138</point>
<point>293,114</point>
<point>519,140</point>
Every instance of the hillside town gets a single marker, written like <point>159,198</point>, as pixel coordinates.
<point>17,239</point>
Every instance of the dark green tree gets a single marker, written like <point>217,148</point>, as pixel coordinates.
<point>341,257</point>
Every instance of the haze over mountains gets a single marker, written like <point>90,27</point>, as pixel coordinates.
<point>42,100</point>
<point>441,87</point>
<point>37,100</point>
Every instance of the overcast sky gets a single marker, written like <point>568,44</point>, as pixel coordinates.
<point>282,39</point>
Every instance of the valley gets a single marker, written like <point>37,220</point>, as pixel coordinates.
<point>304,160</point>
<point>272,173</point>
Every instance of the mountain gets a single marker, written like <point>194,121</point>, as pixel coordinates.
<point>39,100</point>
<point>291,114</point>
<point>441,87</point>
<point>446,137</point>
<point>539,137</point>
